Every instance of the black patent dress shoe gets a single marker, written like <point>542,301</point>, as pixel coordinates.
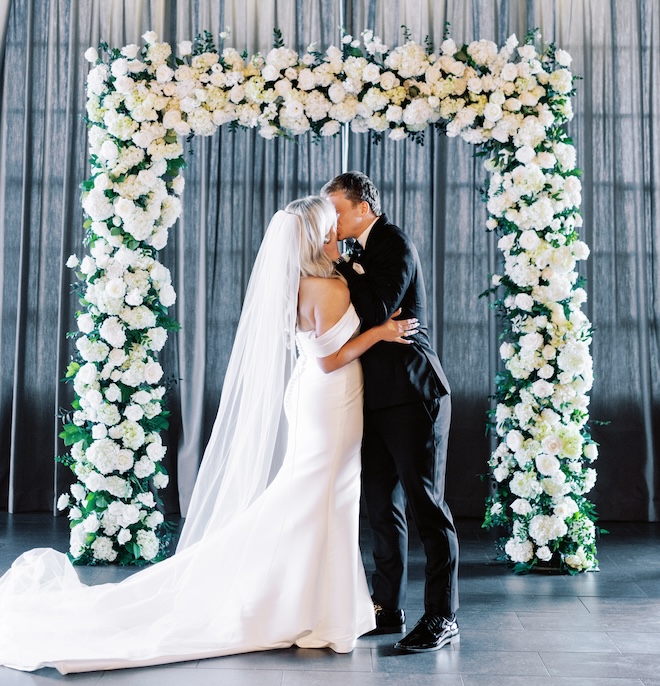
<point>388,621</point>
<point>430,633</point>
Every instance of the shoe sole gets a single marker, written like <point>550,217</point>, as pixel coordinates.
<point>380,631</point>
<point>451,640</point>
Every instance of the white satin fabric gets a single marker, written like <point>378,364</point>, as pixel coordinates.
<point>285,571</point>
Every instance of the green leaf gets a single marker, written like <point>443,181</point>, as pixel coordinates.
<point>72,369</point>
<point>71,434</point>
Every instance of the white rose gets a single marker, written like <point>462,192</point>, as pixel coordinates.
<point>87,266</point>
<point>525,154</point>
<point>85,322</point>
<point>336,93</point>
<point>134,298</point>
<point>544,553</point>
<point>388,81</point>
<point>580,250</point>
<point>134,413</point>
<point>99,431</point>
<point>448,47</point>
<point>500,472</point>
<point>156,451</point>
<point>529,240</point>
<point>492,112</point>
<point>153,372</point>
<point>542,388</point>
<point>521,506</point>
<point>167,295</point>
<point>157,338</point>
<point>185,47</point>
<point>507,350</point>
<point>552,444</point>
<point>91,54</point>
<point>546,160</point>
<point>63,502</point>
<point>531,341</point>
<point>143,468</point>
<point>164,74</point>
<point>591,451</point>
<point>79,492</point>
<point>398,134</point>
<point>514,440</point>
<point>130,51</point>
<point>160,480</point>
<point>546,372</point>
<point>124,536</point>
<point>548,465</point>
<point>141,397</point>
<point>150,37</point>
<point>154,520</point>
<point>524,301</point>
<point>115,288</point>
<point>270,73</point>
<point>509,72</point>
<point>563,58</point>
<point>113,393</point>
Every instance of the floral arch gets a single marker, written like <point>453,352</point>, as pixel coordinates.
<point>512,102</point>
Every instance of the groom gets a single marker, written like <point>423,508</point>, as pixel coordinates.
<point>406,419</point>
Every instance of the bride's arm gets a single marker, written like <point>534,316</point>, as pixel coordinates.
<point>391,331</point>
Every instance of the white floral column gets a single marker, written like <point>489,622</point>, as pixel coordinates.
<point>130,201</point>
<point>541,465</point>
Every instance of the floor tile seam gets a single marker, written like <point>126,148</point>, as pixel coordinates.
<point>630,652</point>
<point>543,662</point>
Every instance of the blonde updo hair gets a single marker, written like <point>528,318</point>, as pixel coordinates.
<point>317,216</point>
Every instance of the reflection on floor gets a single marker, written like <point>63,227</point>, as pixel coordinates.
<point>595,629</point>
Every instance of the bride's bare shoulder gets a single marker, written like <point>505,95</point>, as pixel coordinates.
<point>320,287</point>
<point>322,302</point>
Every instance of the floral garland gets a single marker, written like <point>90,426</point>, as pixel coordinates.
<point>512,102</point>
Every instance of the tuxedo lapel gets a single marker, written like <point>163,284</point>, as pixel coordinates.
<point>373,239</point>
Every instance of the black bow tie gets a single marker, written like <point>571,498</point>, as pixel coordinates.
<point>355,248</point>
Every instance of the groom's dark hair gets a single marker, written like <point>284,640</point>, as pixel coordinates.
<point>357,187</point>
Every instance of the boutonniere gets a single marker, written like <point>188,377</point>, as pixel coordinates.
<point>358,268</point>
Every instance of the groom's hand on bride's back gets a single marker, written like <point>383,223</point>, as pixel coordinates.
<point>398,330</point>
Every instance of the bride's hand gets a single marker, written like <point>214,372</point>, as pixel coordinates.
<point>330,248</point>
<point>397,331</point>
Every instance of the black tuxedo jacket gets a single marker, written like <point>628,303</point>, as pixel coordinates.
<point>394,374</point>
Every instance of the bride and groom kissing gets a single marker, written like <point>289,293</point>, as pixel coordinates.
<point>269,555</point>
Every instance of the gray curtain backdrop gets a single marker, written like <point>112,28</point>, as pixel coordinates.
<point>235,181</point>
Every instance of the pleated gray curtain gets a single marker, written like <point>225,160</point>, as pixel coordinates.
<point>235,181</point>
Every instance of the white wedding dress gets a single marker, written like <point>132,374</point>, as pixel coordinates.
<point>284,571</point>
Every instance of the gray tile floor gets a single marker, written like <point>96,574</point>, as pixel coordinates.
<point>596,629</point>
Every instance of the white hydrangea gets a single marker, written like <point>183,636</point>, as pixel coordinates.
<point>519,551</point>
<point>148,542</point>
<point>102,549</point>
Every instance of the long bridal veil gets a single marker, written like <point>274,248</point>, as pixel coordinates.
<point>269,554</point>
<point>248,440</point>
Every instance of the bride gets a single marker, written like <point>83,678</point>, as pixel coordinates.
<point>268,556</point>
